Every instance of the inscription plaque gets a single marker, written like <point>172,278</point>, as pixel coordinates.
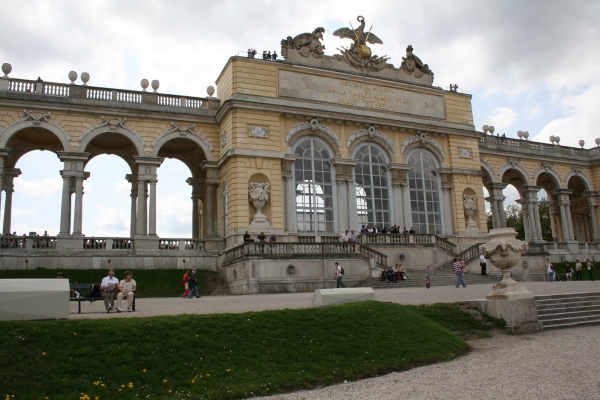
<point>356,93</point>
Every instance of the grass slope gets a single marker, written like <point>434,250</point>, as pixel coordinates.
<point>151,282</point>
<point>222,356</point>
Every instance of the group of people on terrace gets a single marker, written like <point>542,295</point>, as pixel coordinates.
<point>20,241</point>
<point>266,55</point>
<point>395,274</point>
<point>259,238</point>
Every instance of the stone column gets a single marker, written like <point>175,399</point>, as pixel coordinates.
<point>152,216</point>
<point>65,208</point>
<point>397,199</point>
<point>399,181</point>
<point>290,209</point>
<point>342,205</point>
<point>496,199</point>
<point>8,185</point>
<point>448,215</point>
<point>538,222</point>
<point>210,209</point>
<point>524,212</point>
<point>530,194</point>
<point>196,185</point>
<point>591,198</point>
<point>78,217</point>
<point>406,206</point>
<point>132,179</point>
<point>351,196</point>
<point>141,208</point>
<point>565,213</point>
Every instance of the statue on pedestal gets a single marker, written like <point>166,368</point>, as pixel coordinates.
<point>258,194</point>
<point>470,206</point>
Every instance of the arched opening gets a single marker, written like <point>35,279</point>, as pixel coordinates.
<point>107,197</point>
<point>372,187</point>
<point>517,205</point>
<point>36,201</point>
<point>548,207</point>
<point>180,216</point>
<point>425,194</point>
<point>314,187</point>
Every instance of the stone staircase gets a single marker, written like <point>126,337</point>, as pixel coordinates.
<point>568,310</point>
<point>416,278</point>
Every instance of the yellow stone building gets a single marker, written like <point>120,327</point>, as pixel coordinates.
<point>304,149</point>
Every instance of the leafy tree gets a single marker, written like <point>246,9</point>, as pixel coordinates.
<point>514,219</point>
<point>545,220</point>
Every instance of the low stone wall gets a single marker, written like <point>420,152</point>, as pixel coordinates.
<point>119,259</point>
<point>255,275</point>
<point>414,256</point>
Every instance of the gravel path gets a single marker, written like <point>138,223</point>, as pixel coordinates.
<point>560,364</point>
<point>260,302</point>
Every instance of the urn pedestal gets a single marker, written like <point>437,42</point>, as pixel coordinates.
<point>509,299</point>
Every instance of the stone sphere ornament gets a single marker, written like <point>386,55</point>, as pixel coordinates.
<point>72,77</point>
<point>210,91</point>
<point>85,78</point>
<point>485,128</point>
<point>597,140</point>
<point>582,143</point>
<point>144,84</point>
<point>557,139</point>
<point>520,134</point>
<point>552,139</point>
<point>525,135</point>
<point>6,69</point>
<point>155,85</point>
<point>492,129</point>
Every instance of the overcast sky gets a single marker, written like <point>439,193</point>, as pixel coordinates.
<point>530,65</point>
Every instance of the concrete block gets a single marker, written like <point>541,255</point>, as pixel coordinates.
<point>34,299</point>
<point>329,297</point>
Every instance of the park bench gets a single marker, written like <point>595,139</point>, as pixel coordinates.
<point>89,292</point>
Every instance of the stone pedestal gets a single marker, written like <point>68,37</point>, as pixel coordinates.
<point>70,241</point>
<point>520,314</point>
<point>34,299</point>
<point>146,243</point>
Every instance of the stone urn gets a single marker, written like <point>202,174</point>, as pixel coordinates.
<point>6,69</point>
<point>155,85</point>
<point>210,91</point>
<point>504,251</point>
<point>85,78</point>
<point>144,84</point>
<point>72,77</point>
<point>470,206</point>
<point>258,195</point>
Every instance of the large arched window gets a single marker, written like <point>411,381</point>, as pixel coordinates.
<point>424,186</point>
<point>372,191</point>
<point>314,190</point>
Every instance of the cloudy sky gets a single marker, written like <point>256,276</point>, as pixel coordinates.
<point>530,65</point>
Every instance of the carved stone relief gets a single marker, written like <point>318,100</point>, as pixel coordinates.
<point>464,153</point>
<point>313,125</point>
<point>423,138</point>
<point>258,131</point>
<point>371,132</point>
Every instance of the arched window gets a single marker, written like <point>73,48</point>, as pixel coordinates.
<point>425,203</point>
<point>314,190</point>
<point>372,191</point>
<point>224,207</point>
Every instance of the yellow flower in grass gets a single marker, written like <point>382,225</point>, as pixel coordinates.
<point>144,371</point>
<point>102,384</point>
<point>170,391</point>
<point>43,353</point>
<point>164,381</point>
<point>74,333</point>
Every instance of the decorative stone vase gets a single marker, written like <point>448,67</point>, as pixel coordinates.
<point>582,143</point>
<point>7,69</point>
<point>210,91</point>
<point>85,78</point>
<point>504,251</point>
<point>144,84</point>
<point>72,77</point>
<point>470,206</point>
<point>258,195</point>
<point>155,85</point>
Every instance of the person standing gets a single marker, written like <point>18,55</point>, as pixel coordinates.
<point>127,288</point>
<point>428,277</point>
<point>590,267</point>
<point>262,237</point>
<point>193,284</point>
<point>550,271</point>
<point>339,273</point>
<point>346,236</point>
<point>109,287</point>
<point>272,238</point>
<point>483,264</point>
<point>578,270</point>
<point>459,269</point>
<point>352,236</point>
<point>569,272</point>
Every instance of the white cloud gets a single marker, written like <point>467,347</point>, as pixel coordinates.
<point>110,221</point>
<point>122,188</point>
<point>43,187</point>
<point>502,119</point>
<point>581,121</point>
<point>174,217</point>
<point>18,212</point>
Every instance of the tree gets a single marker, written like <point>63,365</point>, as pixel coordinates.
<point>514,219</point>
<point>545,220</point>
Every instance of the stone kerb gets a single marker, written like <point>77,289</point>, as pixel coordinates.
<point>330,297</point>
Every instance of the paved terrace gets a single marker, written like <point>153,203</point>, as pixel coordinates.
<point>259,302</point>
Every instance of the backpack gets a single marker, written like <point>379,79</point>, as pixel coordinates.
<point>342,270</point>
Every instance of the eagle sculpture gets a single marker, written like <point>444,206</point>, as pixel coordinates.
<point>358,35</point>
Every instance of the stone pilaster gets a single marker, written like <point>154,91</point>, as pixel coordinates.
<point>132,179</point>
<point>344,177</point>
<point>196,184</point>
<point>147,177</point>
<point>399,181</point>
<point>564,204</point>
<point>289,191</point>
<point>8,186</point>
<point>593,204</point>
<point>212,182</point>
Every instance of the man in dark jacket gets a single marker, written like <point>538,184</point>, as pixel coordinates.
<point>192,284</point>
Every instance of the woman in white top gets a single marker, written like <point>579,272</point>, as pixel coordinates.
<point>127,288</point>
<point>550,271</point>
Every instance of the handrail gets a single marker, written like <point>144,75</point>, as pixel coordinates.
<point>468,255</point>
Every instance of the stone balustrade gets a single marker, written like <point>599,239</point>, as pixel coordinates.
<point>406,239</point>
<point>538,148</point>
<point>27,242</point>
<point>109,94</point>
<point>181,244</point>
<point>323,249</point>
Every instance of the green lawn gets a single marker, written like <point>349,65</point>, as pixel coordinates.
<point>150,282</point>
<point>560,269</point>
<point>225,356</point>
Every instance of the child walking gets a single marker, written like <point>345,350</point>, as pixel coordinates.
<point>428,277</point>
<point>187,290</point>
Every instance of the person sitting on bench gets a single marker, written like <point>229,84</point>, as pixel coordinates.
<point>126,289</point>
<point>109,288</point>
